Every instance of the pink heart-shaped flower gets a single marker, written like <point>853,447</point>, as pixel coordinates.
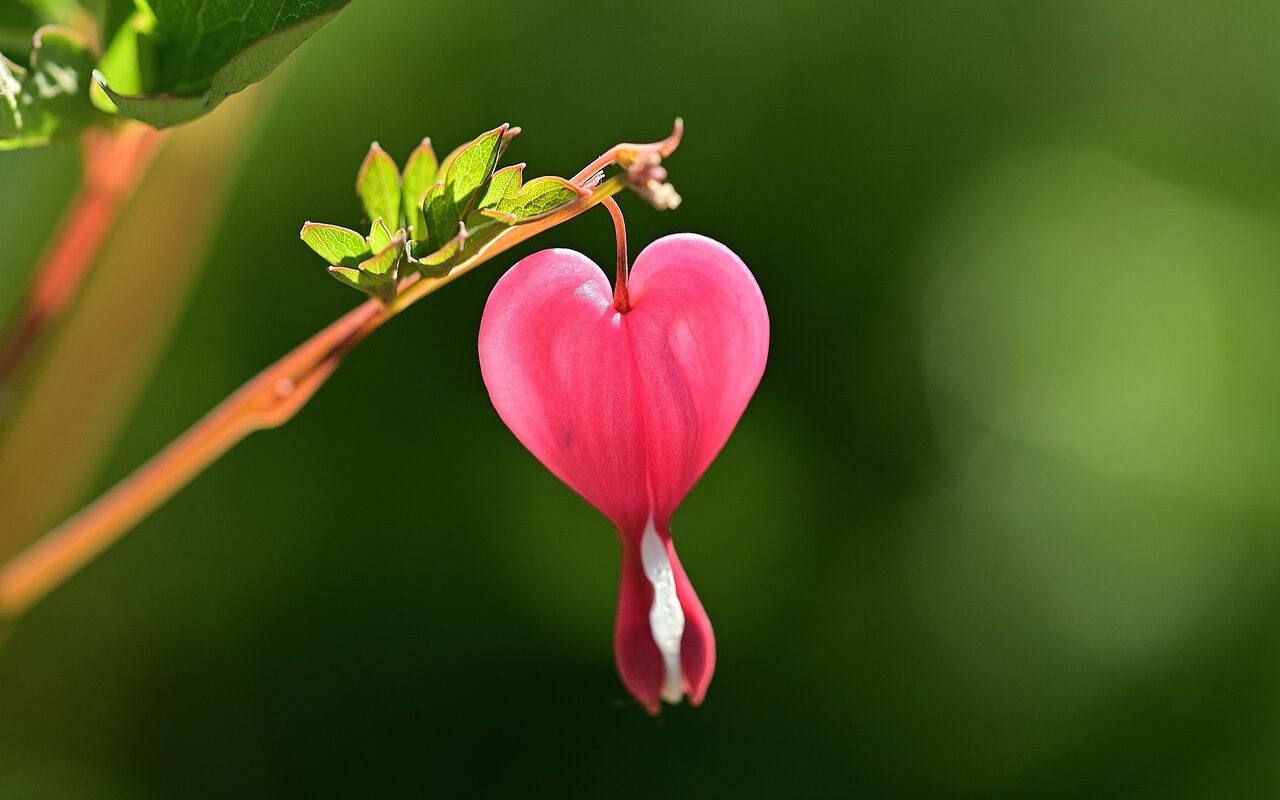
<point>629,409</point>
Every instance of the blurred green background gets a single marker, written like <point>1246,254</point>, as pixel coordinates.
<point>1000,522</point>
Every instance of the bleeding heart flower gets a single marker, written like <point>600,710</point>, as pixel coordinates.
<point>627,401</point>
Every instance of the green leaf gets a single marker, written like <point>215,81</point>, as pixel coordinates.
<point>198,53</point>
<point>539,196</point>
<point>505,217</point>
<point>376,276</point>
<point>50,100</point>
<point>503,185</point>
<point>441,221</point>
<point>379,236</point>
<point>378,185</point>
<point>470,166</point>
<point>123,57</point>
<point>438,262</point>
<point>384,261</point>
<point>339,246</point>
<point>461,178</point>
<point>419,174</point>
<point>482,228</point>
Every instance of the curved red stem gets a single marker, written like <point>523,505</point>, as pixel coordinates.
<point>621,296</point>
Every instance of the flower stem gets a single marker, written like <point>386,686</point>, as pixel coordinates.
<point>621,297</point>
<point>268,400</point>
<point>114,163</point>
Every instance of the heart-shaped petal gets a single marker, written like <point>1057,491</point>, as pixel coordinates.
<point>629,410</point>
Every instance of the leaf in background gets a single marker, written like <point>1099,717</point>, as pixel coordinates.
<point>50,100</point>
<point>124,54</point>
<point>378,185</point>
<point>419,174</point>
<point>10,91</point>
<point>198,53</point>
<point>340,246</point>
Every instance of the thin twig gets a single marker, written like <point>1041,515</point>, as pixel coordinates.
<point>268,400</point>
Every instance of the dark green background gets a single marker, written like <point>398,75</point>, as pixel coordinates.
<point>1001,521</point>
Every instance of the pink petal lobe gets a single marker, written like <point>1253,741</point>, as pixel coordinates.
<point>640,660</point>
<point>700,336</point>
<point>698,645</point>
<point>559,369</point>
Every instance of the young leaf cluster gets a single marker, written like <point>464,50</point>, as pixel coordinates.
<point>442,212</point>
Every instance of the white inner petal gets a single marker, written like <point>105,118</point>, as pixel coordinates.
<point>666,618</point>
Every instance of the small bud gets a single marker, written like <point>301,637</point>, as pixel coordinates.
<point>648,178</point>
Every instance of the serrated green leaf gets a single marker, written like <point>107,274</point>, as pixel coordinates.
<point>378,275</point>
<point>199,53</point>
<point>433,264</point>
<point>483,225</point>
<point>462,176</point>
<point>348,275</point>
<point>469,168</point>
<point>482,228</point>
<point>539,196</point>
<point>385,260</point>
<point>49,101</point>
<point>378,185</point>
<point>419,175</point>
<point>441,222</point>
<point>503,185</point>
<point>379,236</point>
<point>339,246</point>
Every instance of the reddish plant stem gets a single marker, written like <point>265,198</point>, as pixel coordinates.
<point>270,399</point>
<point>621,296</point>
<point>114,163</point>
